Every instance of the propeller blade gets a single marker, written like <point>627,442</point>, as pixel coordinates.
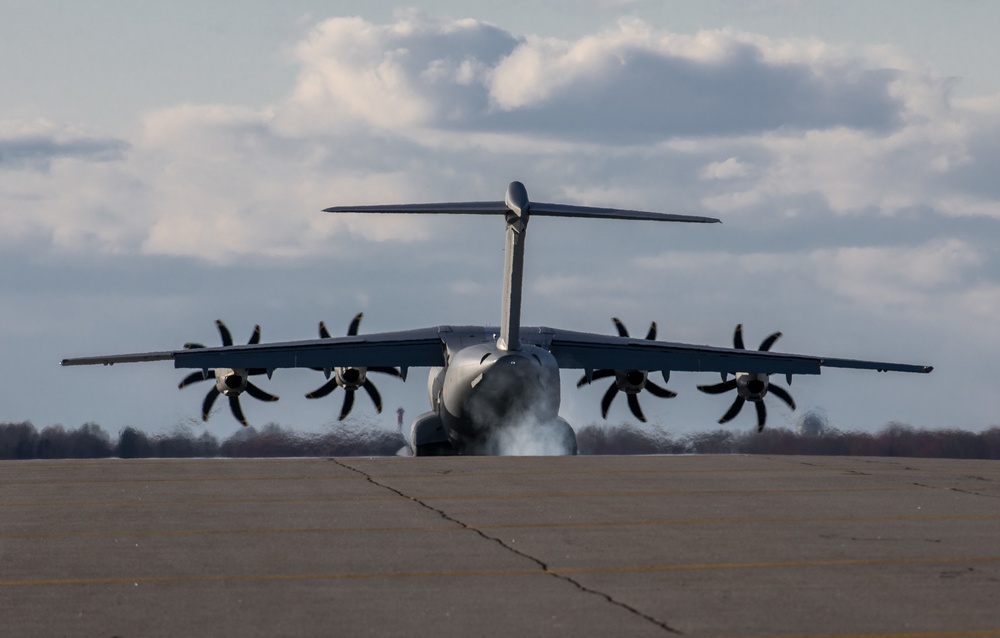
<point>348,404</point>
<point>734,409</point>
<point>323,390</point>
<point>192,346</point>
<point>209,401</point>
<point>782,394</point>
<point>323,332</point>
<point>761,415</point>
<point>609,396</point>
<point>373,393</point>
<point>254,336</point>
<point>718,388</point>
<point>384,370</point>
<point>766,344</point>
<point>353,328</point>
<point>598,374</point>
<point>622,331</point>
<point>227,337</point>
<point>259,394</point>
<point>633,404</point>
<point>657,391</point>
<point>738,337</point>
<point>194,377</point>
<point>651,335</point>
<point>234,405</point>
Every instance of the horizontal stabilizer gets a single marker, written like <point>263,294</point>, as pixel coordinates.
<point>568,210</point>
<point>534,208</point>
<point>443,208</point>
<point>517,202</point>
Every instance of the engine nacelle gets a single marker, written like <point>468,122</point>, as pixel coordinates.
<point>752,386</point>
<point>351,378</point>
<point>631,381</point>
<point>230,382</point>
<point>435,384</point>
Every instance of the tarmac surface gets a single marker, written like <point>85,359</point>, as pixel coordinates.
<point>584,546</point>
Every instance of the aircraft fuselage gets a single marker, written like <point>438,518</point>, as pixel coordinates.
<point>487,397</point>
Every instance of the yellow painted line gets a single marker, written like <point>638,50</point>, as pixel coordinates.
<point>895,634</point>
<point>196,479</point>
<point>745,521</point>
<point>142,580</point>
<point>839,562</point>
<point>564,467</point>
<point>669,492</point>
<point>458,527</point>
<point>21,481</point>
<point>233,532</point>
<point>477,497</point>
<point>157,502</point>
<point>501,572</point>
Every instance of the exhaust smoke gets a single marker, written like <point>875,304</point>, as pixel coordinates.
<point>515,409</point>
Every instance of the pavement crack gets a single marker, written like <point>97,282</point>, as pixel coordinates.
<point>542,565</point>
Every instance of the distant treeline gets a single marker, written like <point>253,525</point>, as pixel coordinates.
<point>90,441</point>
<point>24,441</point>
<point>895,439</point>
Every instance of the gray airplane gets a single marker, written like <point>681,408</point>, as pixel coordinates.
<point>492,389</point>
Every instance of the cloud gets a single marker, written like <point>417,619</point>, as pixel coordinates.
<point>634,84</point>
<point>762,131</point>
<point>889,276</point>
<point>35,145</point>
<point>411,73</point>
<point>624,85</point>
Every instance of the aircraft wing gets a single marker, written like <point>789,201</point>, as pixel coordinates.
<point>409,348</point>
<point>426,347</point>
<point>593,352</point>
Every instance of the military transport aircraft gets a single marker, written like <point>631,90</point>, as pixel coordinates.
<point>489,385</point>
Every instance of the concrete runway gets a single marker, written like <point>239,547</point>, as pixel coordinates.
<point>585,546</point>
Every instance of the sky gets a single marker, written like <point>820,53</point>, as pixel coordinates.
<point>164,165</point>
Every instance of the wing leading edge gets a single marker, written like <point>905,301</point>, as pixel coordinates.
<point>426,347</point>
<point>592,351</point>
<point>410,348</point>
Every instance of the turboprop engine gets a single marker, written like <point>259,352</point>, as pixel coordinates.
<point>351,378</point>
<point>228,381</point>
<point>631,382</point>
<point>750,386</point>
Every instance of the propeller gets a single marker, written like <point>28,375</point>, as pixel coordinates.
<point>228,382</point>
<point>750,386</point>
<point>631,382</point>
<point>351,378</point>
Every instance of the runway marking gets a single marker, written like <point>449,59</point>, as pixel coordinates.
<point>836,562</point>
<point>196,479</point>
<point>485,497</point>
<point>850,562</point>
<point>675,492</point>
<point>224,532</point>
<point>749,521</point>
<point>21,482</point>
<point>563,469</point>
<point>257,501</point>
<point>894,634</point>
<point>444,528</point>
